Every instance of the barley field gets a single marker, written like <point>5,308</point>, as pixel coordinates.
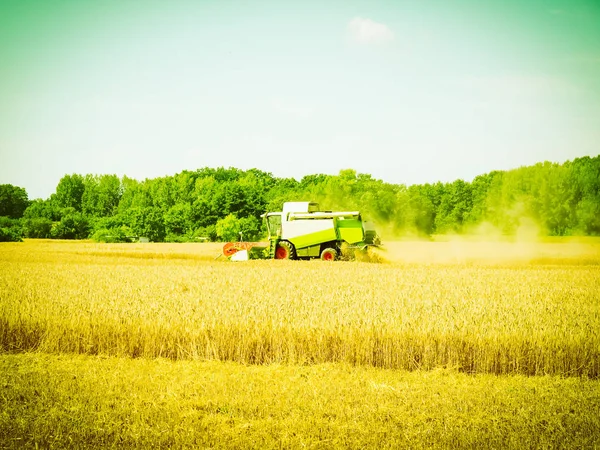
<point>518,322</point>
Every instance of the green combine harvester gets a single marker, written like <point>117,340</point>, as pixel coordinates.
<point>302,231</point>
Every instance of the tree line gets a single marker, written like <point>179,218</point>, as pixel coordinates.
<point>220,203</point>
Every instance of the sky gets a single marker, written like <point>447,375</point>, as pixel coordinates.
<point>412,91</point>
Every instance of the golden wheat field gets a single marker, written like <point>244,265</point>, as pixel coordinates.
<point>468,308</point>
<point>178,302</point>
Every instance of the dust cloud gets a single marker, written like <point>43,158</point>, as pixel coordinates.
<point>486,243</point>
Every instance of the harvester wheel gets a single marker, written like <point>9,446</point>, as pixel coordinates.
<point>329,254</point>
<point>285,250</point>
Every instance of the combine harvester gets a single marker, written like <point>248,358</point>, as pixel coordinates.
<point>302,231</point>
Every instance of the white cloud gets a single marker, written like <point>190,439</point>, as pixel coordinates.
<point>367,31</point>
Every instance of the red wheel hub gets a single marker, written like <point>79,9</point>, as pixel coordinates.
<point>328,256</point>
<point>281,253</point>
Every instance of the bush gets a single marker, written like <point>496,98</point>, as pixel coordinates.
<point>10,235</point>
<point>208,233</point>
<point>113,235</point>
<point>73,225</point>
<point>39,228</point>
<point>108,223</point>
<point>10,230</point>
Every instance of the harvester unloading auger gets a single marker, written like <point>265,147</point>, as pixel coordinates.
<point>302,231</point>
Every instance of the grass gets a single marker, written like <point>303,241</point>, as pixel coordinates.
<point>74,401</point>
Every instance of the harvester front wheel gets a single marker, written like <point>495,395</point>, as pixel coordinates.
<point>329,254</point>
<point>285,250</point>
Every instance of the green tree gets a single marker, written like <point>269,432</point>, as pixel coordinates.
<point>147,222</point>
<point>422,210</point>
<point>13,201</point>
<point>134,195</point>
<point>101,195</point>
<point>69,191</point>
<point>480,189</point>
<point>585,180</point>
<point>228,228</point>
<point>250,228</point>
<point>178,219</point>
<point>46,209</point>
<point>562,198</point>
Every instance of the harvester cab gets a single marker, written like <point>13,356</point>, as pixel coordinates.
<point>273,224</point>
<point>302,231</point>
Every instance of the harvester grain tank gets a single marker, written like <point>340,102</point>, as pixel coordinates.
<point>302,231</point>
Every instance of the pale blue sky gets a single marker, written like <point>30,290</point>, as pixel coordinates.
<point>408,91</point>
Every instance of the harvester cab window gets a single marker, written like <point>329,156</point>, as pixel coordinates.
<point>274,223</point>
